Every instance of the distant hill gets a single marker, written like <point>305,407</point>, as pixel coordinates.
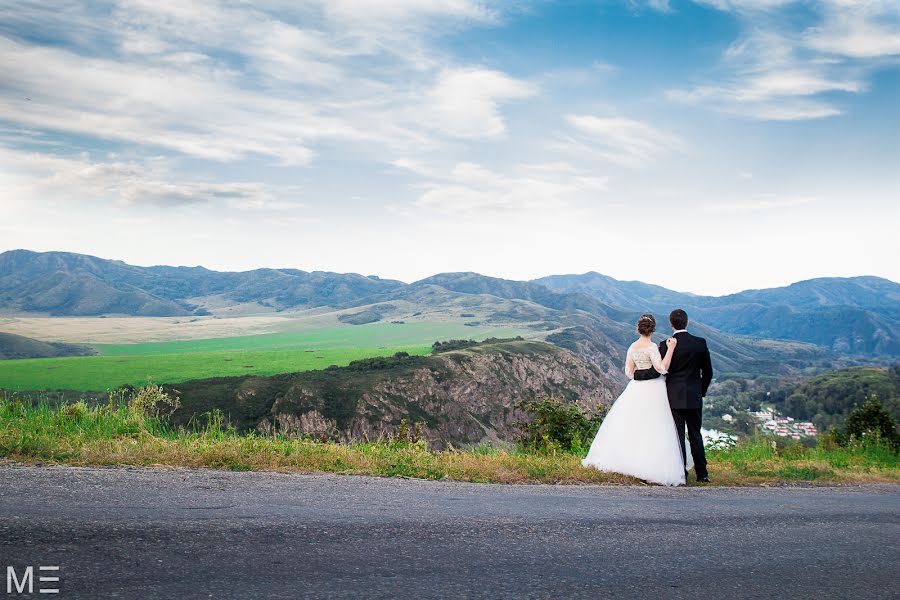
<point>860,292</point>
<point>633,295</point>
<point>463,396</point>
<point>584,325</point>
<point>65,284</point>
<point>473,283</point>
<point>16,346</point>
<point>856,315</point>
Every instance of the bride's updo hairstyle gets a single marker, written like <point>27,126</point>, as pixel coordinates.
<point>646,325</point>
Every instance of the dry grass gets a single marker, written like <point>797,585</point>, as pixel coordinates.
<point>119,435</point>
<point>125,330</point>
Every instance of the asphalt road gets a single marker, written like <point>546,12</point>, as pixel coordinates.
<point>141,533</point>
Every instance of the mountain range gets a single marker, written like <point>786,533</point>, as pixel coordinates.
<point>590,313</point>
<point>66,284</point>
<point>848,315</point>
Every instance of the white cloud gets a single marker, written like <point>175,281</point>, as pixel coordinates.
<point>227,81</point>
<point>139,42</point>
<point>775,72</point>
<point>204,115</point>
<point>657,5</point>
<point>416,166</point>
<point>793,111</point>
<point>394,13</point>
<point>765,81</point>
<point>791,83</point>
<point>624,141</point>
<point>472,190</point>
<point>66,179</point>
<point>273,48</point>
<point>857,29</point>
<point>465,101</point>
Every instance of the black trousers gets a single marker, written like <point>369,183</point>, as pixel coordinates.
<point>692,418</point>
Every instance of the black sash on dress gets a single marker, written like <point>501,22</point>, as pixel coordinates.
<point>645,374</point>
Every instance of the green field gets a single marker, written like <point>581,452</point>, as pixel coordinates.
<point>372,335</point>
<point>265,354</point>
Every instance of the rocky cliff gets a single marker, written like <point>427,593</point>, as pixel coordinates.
<point>460,397</point>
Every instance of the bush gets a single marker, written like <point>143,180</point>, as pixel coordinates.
<point>872,420</point>
<point>152,401</point>
<point>745,423</point>
<point>720,442</point>
<point>832,439</point>
<point>555,424</point>
<point>438,347</point>
<point>448,346</point>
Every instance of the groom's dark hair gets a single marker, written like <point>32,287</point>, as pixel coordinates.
<point>678,318</point>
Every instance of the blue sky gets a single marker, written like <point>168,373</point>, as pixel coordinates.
<point>707,146</point>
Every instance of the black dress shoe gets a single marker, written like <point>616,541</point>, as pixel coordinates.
<point>703,480</point>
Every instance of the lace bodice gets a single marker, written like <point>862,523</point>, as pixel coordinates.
<point>643,357</point>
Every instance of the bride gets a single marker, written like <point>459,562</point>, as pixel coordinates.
<point>638,436</point>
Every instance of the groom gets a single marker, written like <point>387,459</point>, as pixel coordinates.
<point>690,374</point>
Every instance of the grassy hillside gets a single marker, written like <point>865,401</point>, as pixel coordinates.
<point>827,399</point>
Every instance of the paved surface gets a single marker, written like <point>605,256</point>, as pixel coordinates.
<point>138,533</point>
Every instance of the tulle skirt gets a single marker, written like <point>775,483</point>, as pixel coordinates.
<point>638,436</point>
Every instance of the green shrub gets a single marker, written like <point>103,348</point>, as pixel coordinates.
<point>872,421</point>
<point>558,425</point>
<point>832,439</point>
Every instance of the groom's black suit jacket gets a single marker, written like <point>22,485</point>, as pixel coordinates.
<point>690,372</point>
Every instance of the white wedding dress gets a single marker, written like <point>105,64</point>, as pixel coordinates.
<point>638,436</point>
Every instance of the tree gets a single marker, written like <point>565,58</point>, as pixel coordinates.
<point>745,423</point>
<point>872,419</point>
